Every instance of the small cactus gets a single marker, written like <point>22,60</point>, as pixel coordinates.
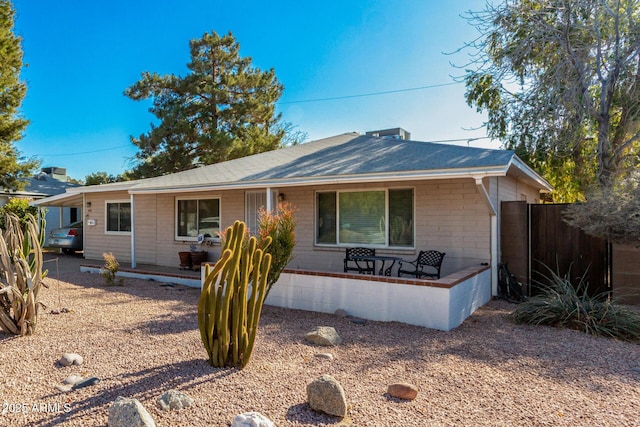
<point>231,299</point>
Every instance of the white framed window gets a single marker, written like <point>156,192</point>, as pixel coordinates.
<point>196,216</point>
<point>380,218</point>
<point>118,217</point>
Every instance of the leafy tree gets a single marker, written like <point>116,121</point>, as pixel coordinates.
<point>21,209</point>
<point>98,178</point>
<point>560,80</point>
<point>13,168</point>
<point>224,108</point>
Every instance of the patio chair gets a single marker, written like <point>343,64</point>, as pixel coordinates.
<point>362,267</point>
<point>427,265</point>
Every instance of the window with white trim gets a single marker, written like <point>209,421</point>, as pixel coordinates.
<point>118,214</point>
<point>197,216</point>
<point>368,218</point>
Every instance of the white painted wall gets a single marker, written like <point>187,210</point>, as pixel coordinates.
<point>428,306</point>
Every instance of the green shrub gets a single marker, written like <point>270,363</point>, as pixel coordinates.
<point>110,270</point>
<point>560,304</point>
<point>20,208</point>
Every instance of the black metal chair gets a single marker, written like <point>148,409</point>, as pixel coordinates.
<point>427,264</point>
<point>362,267</point>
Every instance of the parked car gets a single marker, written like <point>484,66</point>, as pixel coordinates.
<point>68,238</point>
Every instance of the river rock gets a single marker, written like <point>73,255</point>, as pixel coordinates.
<point>174,399</point>
<point>69,359</point>
<point>252,419</point>
<point>324,335</point>
<point>404,391</point>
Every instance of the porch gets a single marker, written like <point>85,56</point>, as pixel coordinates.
<point>438,304</point>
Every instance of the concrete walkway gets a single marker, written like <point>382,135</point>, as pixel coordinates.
<point>62,263</point>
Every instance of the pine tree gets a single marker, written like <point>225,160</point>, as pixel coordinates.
<point>13,168</point>
<point>224,108</point>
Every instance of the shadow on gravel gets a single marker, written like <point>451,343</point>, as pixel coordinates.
<point>148,383</point>
<point>304,415</point>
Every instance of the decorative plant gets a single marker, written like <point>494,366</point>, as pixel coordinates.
<point>280,226</point>
<point>232,297</point>
<point>563,305</point>
<point>110,270</point>
<point>21,274</point>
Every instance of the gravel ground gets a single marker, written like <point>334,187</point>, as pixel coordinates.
<point>142,340</point>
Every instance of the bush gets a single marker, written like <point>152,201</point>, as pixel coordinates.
<point>280,225</point>
<point>110,270</point>
<point>20,208</point>
<point>560,304</point>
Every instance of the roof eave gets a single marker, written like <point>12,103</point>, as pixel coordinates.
<point>499,170</point>
<point>543,184</point>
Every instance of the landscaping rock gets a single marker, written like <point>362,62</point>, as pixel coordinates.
<point>404,391</point>
<point>325,394</point>
<point>324,335</point>
<point>327,356</point>
<point>73,379</point>
<point>86,383</point>
<point>125,412</point>
<point>252,419</point>
<point>174,399</point>
<point>69,359</point>
<point>341,313</point>
<point>358,320</point>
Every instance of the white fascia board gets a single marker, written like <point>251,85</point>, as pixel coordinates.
<point>472,173</point>
<point>531,174</point>
<point>57,200</point>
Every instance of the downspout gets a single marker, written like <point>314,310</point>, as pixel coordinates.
<point>133,233</point>
<point>493,232</point>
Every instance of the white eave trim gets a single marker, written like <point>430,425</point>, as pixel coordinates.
<point>530,173</point>
<point>500,170</point>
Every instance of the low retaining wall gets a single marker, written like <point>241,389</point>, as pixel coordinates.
<point>441,304</point>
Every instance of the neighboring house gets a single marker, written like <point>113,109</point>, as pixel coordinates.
<point>48,182</point>
<point>396,195</point>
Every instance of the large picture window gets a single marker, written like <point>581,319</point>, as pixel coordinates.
<point>197,216</point>
<point>376,218</point>
<point>118,217</point>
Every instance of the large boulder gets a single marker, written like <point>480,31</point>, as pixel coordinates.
<point>325,394</point>
<point>323,335</point>
<point>125,412</point>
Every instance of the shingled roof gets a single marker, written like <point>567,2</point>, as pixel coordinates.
<point>345,158</point>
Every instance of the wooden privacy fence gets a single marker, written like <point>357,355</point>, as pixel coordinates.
<point>534,237</point>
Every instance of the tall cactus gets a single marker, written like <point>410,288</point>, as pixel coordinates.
<point>231,299</point>
<point>21,274</point>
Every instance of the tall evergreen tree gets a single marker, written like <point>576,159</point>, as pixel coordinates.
<point>224,108</point>
<point>13,167</point>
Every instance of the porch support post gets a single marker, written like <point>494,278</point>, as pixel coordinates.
<point>493,232</point>
<point>84,221</point>
<point>133,232</point>
<point>269,206</point>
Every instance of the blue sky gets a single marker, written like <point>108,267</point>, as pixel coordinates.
<point>81,56</point>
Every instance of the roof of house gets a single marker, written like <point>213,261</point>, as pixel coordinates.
<point>349,157</point>
<point>43,185</point>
